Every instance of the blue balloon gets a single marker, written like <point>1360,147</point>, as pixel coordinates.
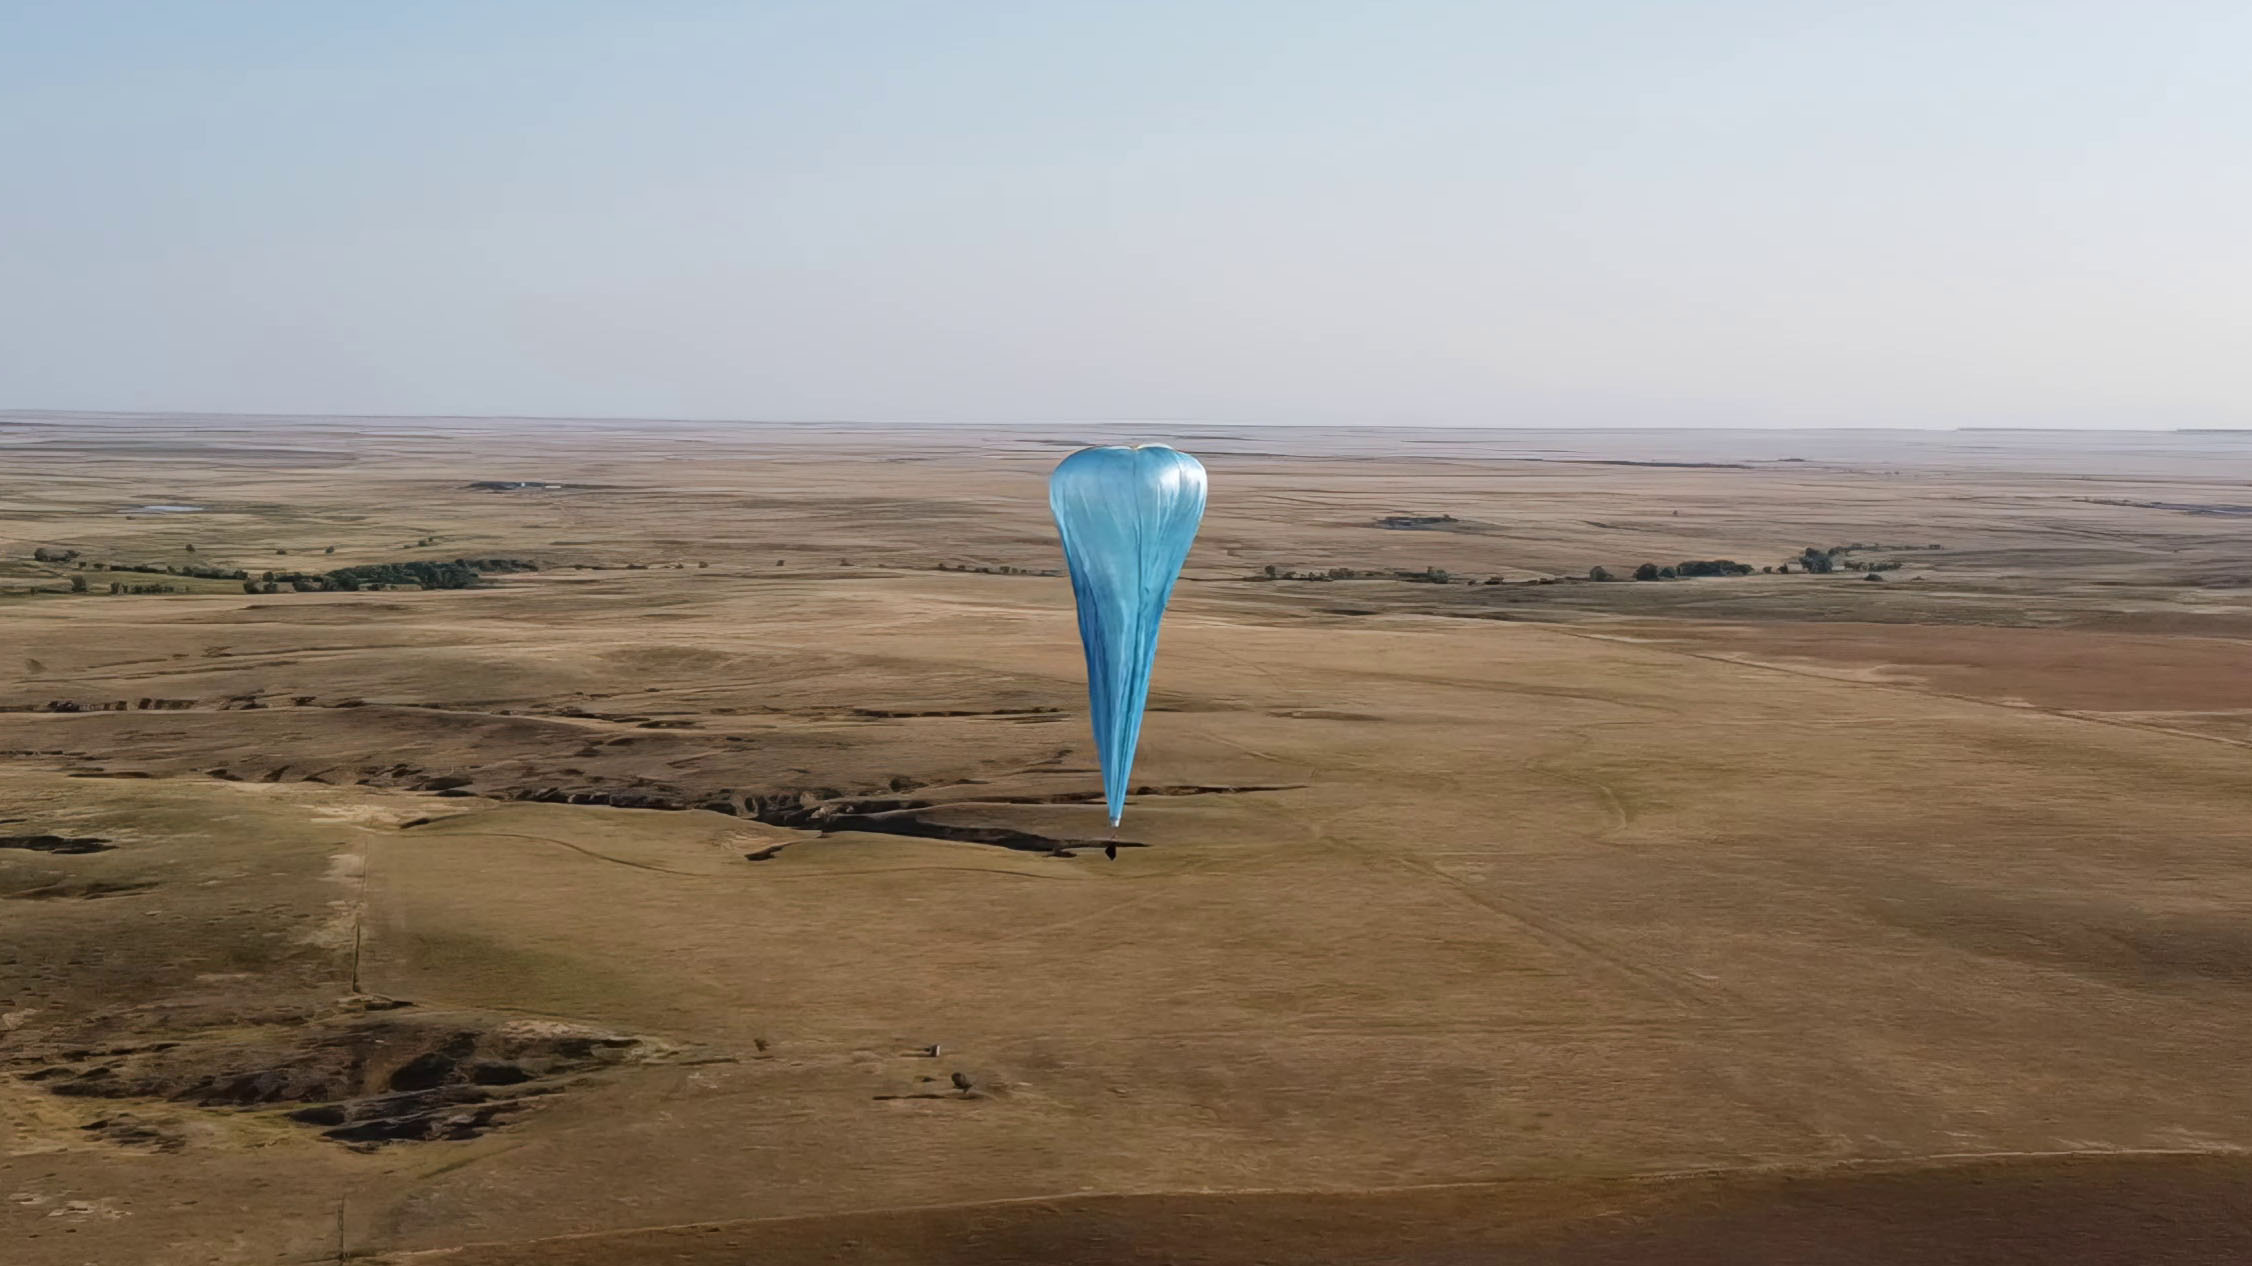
<point>1127,516</point>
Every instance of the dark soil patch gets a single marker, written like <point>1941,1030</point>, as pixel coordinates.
<point>77,890</point>
<point>366,1081</point>
<point>59,844</point>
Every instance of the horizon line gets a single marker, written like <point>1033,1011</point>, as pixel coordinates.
<point>1086,422</point>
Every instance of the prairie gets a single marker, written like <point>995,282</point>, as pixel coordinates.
<point>731,888</point>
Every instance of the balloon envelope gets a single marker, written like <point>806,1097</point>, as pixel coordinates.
<point>1127,516</point>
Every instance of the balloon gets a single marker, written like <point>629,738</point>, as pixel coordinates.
<point>1127,516</point>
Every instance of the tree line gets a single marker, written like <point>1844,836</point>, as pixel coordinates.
<point>461,573</point>
<point>1693,567</point>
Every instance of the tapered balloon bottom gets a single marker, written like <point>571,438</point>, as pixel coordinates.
<point>1127,517</point>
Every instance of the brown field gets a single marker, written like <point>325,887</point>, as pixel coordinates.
<point>609,913</point>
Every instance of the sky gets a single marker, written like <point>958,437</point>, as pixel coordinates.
<point>1377,212</point>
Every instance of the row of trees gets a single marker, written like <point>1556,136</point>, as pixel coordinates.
<point>998,569</point>
<point>1694,567</point>
<point>194,570</point>
<point>1428,576</point>
<point>1821,562</point>
<point>461,573</point>
<point>1812,560</point>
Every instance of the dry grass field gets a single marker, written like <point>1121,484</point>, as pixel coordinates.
<point>731,889</point>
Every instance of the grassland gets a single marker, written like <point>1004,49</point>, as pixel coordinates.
<point>613,912</point>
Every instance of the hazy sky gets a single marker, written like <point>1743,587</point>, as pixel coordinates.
<point>1572,212</point>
